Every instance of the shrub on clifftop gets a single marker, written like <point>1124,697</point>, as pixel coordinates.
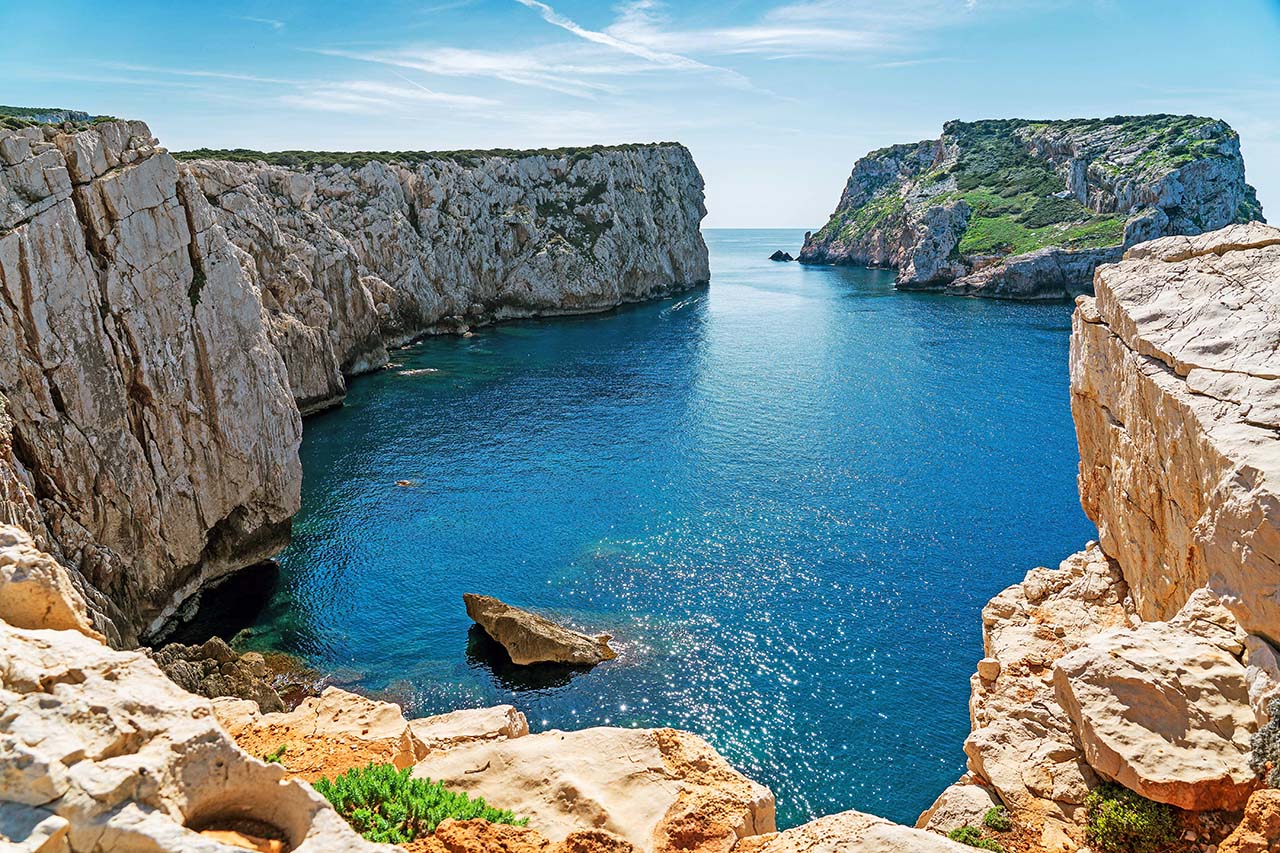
<point>1121,821</point>
<point>1264,756</point>
<point>386,805</point>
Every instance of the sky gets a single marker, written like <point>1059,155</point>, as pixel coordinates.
<point>775,98</point>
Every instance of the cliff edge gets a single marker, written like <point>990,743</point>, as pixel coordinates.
<point>1022,209</point>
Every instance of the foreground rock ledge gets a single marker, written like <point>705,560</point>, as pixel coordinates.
<point>530,638</point>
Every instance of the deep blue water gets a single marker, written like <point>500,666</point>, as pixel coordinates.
<point>788,496</point>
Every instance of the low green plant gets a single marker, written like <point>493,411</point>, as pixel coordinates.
<point>276,756</point>
<point>971,836</point>
<point>386,805</point>
<point>1122,821</point>
<point>1264,757</point>
<point>998,819</point>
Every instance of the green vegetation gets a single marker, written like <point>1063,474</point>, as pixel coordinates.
<point>972,837</point>
<point>356,159</point>
<point>198,281</point>
<point>1264,757</point>
<point>998,819</point>
<point>385,805</point>
<point>277,755</point>
<point>16,118</point>
<point>1018,196</point>
<point>1121,821</point>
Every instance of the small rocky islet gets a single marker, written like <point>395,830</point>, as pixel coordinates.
<point>170,320</point>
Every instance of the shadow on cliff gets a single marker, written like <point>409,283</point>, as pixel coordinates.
<point>483,652</point>
<point>231,606</point>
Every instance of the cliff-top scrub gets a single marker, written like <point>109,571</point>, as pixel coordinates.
<point>386,805</point>
<point>355,159</point>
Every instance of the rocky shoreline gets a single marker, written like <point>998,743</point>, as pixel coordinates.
<point>149,425</point>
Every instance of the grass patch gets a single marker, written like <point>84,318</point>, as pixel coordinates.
<point>971,836</point>
<point>386,806</point>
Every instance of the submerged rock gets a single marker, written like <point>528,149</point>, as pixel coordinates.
<point>529,638</point>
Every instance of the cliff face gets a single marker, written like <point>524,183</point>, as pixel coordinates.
<point>148,435</point>
<point>1175,390</point>
<point>1028,209</point>
<point>152,370</point>
<point>357,256</point>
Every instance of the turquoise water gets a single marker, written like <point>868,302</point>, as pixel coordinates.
<point>788,496</point>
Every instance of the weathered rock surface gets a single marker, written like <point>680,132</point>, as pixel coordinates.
<point>1259,830</point>
<point>331,733</point>
<point>850,832</point>
<point>100,751</point>
<point>530,638</point>
<point>354,259</point>
<point>214,669</point>
<point>149,441</point>
<point>1023,742</point>
<point>1027,209</point>
<point>965,803</point>
<point>36,591</point>
<point>480,836</point>
<point>1175,391</point>
<point>1164,712</point>
<point>660,789</point>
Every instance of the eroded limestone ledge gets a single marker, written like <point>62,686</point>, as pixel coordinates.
<point>1175,391</point>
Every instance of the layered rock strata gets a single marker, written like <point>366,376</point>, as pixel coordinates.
<point>355,258</point>
<point>1028,209</point>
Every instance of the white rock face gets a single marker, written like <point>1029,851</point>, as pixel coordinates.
<point>355,259</point>
<point>1023,742</point>
<point>662,790</point>
<point>1164,713</point>
<point>1175,391</point>
<point>850,832</point>
<point>100,751</point>
<point>150,439</point>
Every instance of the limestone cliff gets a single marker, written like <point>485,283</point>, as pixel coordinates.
<point>152,370</point>
<point>1175,390</point>
<point>358,252</point>
<point>147,434</point>
<point>1028,209</point>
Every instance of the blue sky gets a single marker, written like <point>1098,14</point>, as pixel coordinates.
<point>776,98</point>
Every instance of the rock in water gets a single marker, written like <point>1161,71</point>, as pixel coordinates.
<point>781,256</point>
<point>1071,195</point>
<point>529,638</point>
<point>214,669</point>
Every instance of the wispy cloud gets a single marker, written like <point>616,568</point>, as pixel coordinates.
<point>269,22</point>
<point>911,63</point>
<point>198,72</point>
<point>367,96</point>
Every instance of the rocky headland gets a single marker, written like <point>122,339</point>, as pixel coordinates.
<point>1022,209</point>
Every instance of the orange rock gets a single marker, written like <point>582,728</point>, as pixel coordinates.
<point>1259,830</point>
<point>247,842</point>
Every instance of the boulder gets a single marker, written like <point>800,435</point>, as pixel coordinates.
<point>36,591</point>
<point>660,789</point>
<point>100,751</point>
<point>1259,829</point>
<point>850,832</point>
<point>529,638</point>
<point>1164,713</point>
<point>961,804</point>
